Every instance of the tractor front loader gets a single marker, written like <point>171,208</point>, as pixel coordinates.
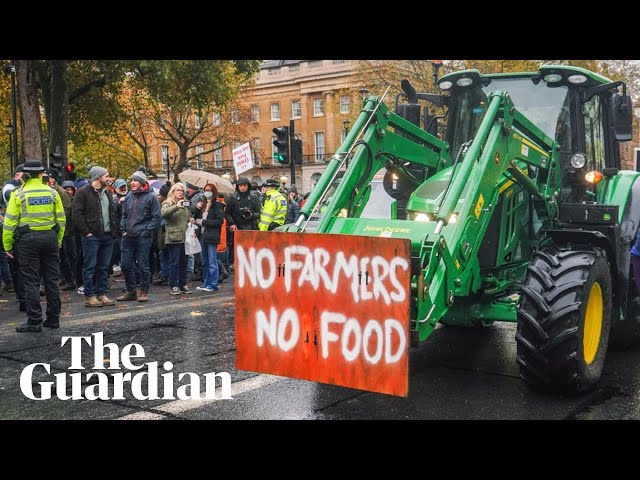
<point>519,211</point>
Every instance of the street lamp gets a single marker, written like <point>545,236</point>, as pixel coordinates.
<point>346,122</point>
<point>363,92</point>
<point>9,128</point>
<point>226,176</point>
<point>11,69</point>
<point>283,179</point>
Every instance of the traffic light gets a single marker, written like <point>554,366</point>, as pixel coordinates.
<point>296,153</point>
<point>282,142</point>
<point>70,172</point>
<point>55,163</point>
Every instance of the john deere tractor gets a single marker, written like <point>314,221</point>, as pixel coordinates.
<point>518,211</point>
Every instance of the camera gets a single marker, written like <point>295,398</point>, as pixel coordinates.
<point>246,213</point>
<point>185,203</point>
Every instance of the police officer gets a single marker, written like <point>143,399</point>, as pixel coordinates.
<point>274,210</point>
<point>35,216</point>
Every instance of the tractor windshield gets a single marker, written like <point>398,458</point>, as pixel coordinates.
<point>547,107</point>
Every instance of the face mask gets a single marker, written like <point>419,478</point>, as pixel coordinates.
<point>208,194</point>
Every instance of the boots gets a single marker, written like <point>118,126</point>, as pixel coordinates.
<point>106,300</point>
<point>143,296</point>
<point>128,296</point>
<point>92,301</point>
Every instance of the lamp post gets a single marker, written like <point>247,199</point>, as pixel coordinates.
<point>283,179</point>
<point>11,69</point>
<point>363,92</point>
<point>346,122</point>
<point>9,128</point>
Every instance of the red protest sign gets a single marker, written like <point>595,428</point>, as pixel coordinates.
<point>326,308</point>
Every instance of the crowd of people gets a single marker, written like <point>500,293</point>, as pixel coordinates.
<point>77,234</point>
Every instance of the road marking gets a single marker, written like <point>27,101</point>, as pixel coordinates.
<point>181,406</point>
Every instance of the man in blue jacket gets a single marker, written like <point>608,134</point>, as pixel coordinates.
<point>140,219</point>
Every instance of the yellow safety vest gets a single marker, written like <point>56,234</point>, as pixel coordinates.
<point>35,205</point>
<point>274,210</point>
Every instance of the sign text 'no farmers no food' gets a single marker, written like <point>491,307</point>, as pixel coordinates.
<point>326,308</point>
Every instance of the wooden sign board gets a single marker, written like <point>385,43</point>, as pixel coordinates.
<point>326,308</point>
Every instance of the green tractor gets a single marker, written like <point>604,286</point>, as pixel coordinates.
<point>519,211</point>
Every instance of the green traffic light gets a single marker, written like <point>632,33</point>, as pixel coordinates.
<point>279,157</point>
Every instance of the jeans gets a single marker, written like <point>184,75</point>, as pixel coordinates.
<point>68,259</point>
<point>97,250</point>
<point>164,262</point>
<point>135,250</point>
<point>209,265</point>
<point>178,265</point>
<point>5,271</point>
<point>191,263</point>
<point>224,258</point>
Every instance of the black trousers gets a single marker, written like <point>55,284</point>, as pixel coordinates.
<point>38,254</point>
<point>16,275</point>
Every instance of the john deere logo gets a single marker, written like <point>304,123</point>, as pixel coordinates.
<point>607,217</point>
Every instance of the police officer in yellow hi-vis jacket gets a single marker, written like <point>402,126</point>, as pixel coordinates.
<point>274,208</point>
<point>34,226</point>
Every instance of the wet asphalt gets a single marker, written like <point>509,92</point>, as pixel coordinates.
<point>457,373</point>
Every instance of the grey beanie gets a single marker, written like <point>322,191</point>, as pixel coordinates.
<point>96,172</point>
<point>139,177</point>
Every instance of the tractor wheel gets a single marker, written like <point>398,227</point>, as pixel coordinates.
<point>564,319</point>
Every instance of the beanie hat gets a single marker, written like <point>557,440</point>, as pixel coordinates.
<point>31,166</point>
<point>81,182</point>
<point>96,172</point>
<point>120,183</point>
<point>191,186</point>
<point>139,177</point>
<point>164,190</point>
<point>68,184</point>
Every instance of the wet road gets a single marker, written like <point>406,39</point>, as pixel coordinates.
<point>457,374</point>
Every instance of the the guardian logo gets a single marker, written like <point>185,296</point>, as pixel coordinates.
<point>148,381</point>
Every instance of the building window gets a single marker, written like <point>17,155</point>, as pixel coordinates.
<point>217,119</point>
<point>196,120</point>
<point>338,62</point>
<point>255,113</point>
<point>235,116</point>
<point>199,157</point>
<point>344,103</point>
<point>315,63</point>
<point>274,71</point>
<point>275,111</point>
<point>296,109</point>
<point>164,155</point>
<point>217,157</point>
<point>314,179</point>
<point>318,107</point>
<point>256,150</point>
<point>318,138</point>
<point>294,68</point>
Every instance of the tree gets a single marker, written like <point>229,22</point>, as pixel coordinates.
<point>180,98</point>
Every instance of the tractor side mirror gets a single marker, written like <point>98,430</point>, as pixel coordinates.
<point>622,116</point>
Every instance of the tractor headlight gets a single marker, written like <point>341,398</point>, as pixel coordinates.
<point>445,85</point>
<point>552,78</point>
<point>422,217</point>
<point>577,79</point>
<point>579,160</point>
<point>464,81</point>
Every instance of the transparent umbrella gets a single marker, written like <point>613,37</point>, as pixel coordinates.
<point>200,179</point>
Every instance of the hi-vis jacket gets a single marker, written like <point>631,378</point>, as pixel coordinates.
<point>36,205</point>
<point>274,210</point>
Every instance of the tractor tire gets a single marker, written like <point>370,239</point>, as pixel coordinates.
<point>564,319</point>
